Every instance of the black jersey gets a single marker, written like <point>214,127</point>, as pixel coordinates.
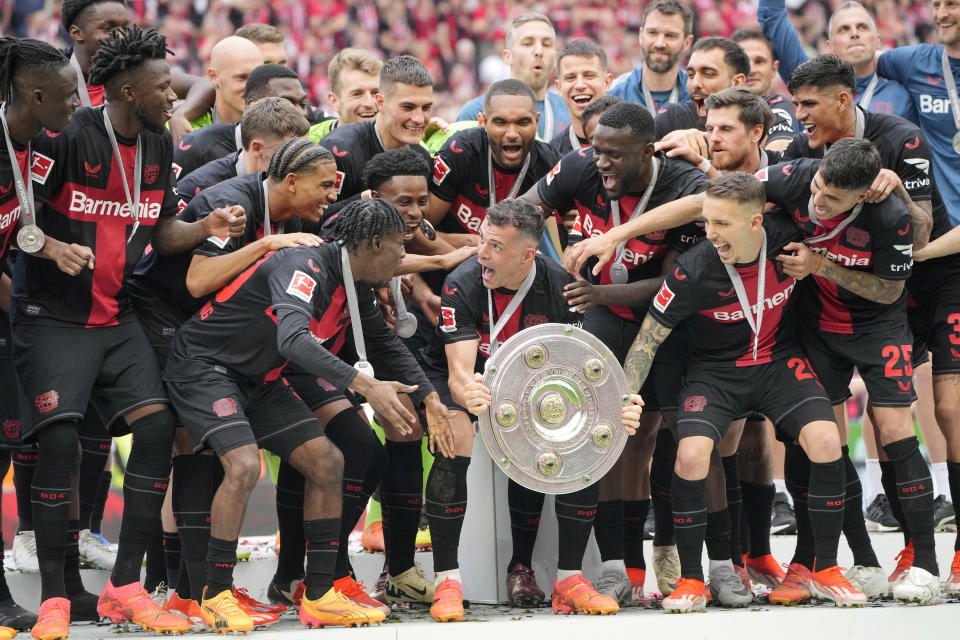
<point>464,308</point>
<point>353,145</point>
<point>9,202</point>
<point>204,145</point>
<point>784,125</point>
<point>686,116</point>
<point>161,279</point>
<point>879,241</point>
<point>460,177</point>
<point>563,145</point>
<point>210,174</point>
<point>295,298</point>
<point>700,291</point>
<point>76,176</point>
<point>574,183</point>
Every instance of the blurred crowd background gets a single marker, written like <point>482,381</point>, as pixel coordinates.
<point>459,40</point>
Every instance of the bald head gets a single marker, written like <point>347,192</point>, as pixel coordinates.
<point>231,61</point>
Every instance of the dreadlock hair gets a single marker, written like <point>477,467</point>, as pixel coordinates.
<point>22,58</point>
<point>361,220</point>
<point>72,9</point>
<point>405,161</point>
<point>125,50</point>
<point>297,155</point>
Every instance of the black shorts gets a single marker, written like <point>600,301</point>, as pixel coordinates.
<point>160,321</point>
<point>439,379</point>
<point>786,391</point>
<point>933,310</point>
<point>661,388</point>
<point>63,368</point>
<point>223,414</point>
<point>315,392</point>
<point>13,408</point>
<point>884,359</point>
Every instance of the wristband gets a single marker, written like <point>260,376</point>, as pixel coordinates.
<point>705,166</point>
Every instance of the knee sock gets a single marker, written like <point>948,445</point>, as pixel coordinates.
<point>195,482</point>
<point>888,479</point>
<point>221,559</point>
<point>575,513</point>
<point>915,492</point>
<point>289,506</point>
<point>717,535</point>
<point>661,475</point>
<point>608,528</point>
<point>171,557</point>
<point>634,517</point>
<point>50,498</point>
<point>402,503</point>
<point>953,474</point>
<point>4,467</point>
<point>103,492</point>
<point>525,507</point>
<point>24,464</point>
<point>757,511</point>
<point>71,559</point>
<point>796,471</point>
<point>156,563</point>
<point>183,589</point>
<point>825,500</point>
<point>689,524</point>
<point>323,538</point>
<point>95,445</point>
<point>731,472</point>
<point>854,527</point>
<point>364,461</point>
<point>144,487</point>
<point>446,503</point>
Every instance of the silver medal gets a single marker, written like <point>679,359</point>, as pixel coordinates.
<point>364,367</point>
<point>956,142</point>
<point>427,230</point>
<point>618,273</point>
<point>406,325</point>
<point>30,238</point>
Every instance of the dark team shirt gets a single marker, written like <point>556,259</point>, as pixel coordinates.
<point>685,116</point>
<point>463,308</point>
<point>204,145</point>
<point>785,124</point>
<point>562,145</point>
<point>161,279</point>
<point>296,298</point>
<point>210,174</point>
<point>575,183</point>
<point>460,177</point>
<point>878,241</point>
<point>76,176</point>
<point>9,202</point>
<point>353,145</point>
<point>700,291</point>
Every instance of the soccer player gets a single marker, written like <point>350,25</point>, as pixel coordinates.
<point>531,53</point>
<point>582,77</point>
<point>106,187</point>
<point>354,84</point>
<point>665,36</point>
<point>725,289</point>
<point>232,403</point>
<point>763,69</point>
<point>268,39</point>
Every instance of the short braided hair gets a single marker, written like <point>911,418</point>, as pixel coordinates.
<point>297,155</point>
<point>125,50</point>
<point>24,57</point>
<point>405,161</point>
<point>361,220</point>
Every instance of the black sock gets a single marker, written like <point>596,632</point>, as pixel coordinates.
<point>50,497</point>
<point>171,557</point>
<point>757,512</point>
<point>689,524</point>
<point>888,479</point>
<point>95,450</point>
<point>293,546</point>
<point>446,504</point>
<point>71,559</point>
<point>103,492</point>
<point>156,563</point>
<point>661,475</point>
<point>364,461</point>
<point>402,491</point>
<point>825,501</point>
<point>953,477</point>
<point>525,506</point>
<point>221,559</point>
<point>575,513</point>
<point>717,535</point>
<point>195,482</point>
<point>608,529</point>
<point>24,464</point>
<point>634,517</point>
<point>182,586</point>
<point>854,527</point>
<point>144,487</point>
<point>323,538</point>
<point>4,467</point>
<point>915,492</point>
<point>731,472</point>
<point>796,471</point>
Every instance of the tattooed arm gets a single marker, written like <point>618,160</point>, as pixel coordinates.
<point>921,215</point>
<point>803,262</point>
<point>644,348</point>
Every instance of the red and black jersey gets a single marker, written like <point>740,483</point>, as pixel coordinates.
<point>878,241</point>
<point>575,183</point>
<point>204,145</point>
<point>353,145</point>
<point>295,300</point>
<point>460,177</point>
<point>210,174</point>
<point>562,144</point>
<point>76,176</point>
<point>9,202</point>
<point>699,290</point>
<point>784,125</point>
<point>685,116</point>
<point>463,308</point>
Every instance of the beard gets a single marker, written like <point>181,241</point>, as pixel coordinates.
<point>661,67</point>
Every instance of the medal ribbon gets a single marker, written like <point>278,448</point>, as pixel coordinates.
<point>648,97</point>
<point>867,96</point>
<point>518,297</point>
<point>742,293</point>
<point>81,81</point>
<point>24,189</point>
<point>637,210</point>
<point>492,182</point>
<point>352,305</point>
<point>951,86</point>
<point>133,200</point>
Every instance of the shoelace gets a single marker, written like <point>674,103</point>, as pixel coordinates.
<point>229,607</point>
<point>523,575</point>
<point>353,589</point>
